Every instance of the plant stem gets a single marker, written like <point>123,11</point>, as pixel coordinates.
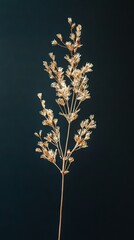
<point>68,132</point>
<point>62,184</point>
<point>57,167</point>
<point>71,108</point>
<point>61,207</point>
<point>65,152</point>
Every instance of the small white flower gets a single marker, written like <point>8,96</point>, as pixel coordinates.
<point>59,36</point>
<point>70,20</point>
<point>43,103</point>
<point>79,27</point>
<point>68,43</point>
<point>54,42</point>
<point>39,95</point>
<point>38,150</point>
<point>72,36</point>
<point>52,56</point>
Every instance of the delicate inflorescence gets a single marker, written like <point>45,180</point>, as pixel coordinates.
<point>69,98</point>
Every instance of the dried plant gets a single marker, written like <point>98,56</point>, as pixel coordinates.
<point>69,98</point>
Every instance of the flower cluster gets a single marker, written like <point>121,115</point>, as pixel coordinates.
<point>74,37</point>
<point>84,132</point>
<point>53,137</point>
<point>71,88</point>
<point>77,91</point>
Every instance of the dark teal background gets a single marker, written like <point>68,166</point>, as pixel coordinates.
<point>98,192</point>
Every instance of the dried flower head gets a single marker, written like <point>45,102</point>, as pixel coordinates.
<point>71,87</point>
<point>70,96</point>
<point>54,42</point>
<point>70,20</point>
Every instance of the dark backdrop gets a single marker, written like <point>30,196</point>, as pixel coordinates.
<point>98,192</point>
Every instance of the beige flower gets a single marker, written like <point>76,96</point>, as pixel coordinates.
<point>38,150</point>
<point>39,95</point>
<point>52,56</point>
<point>43,103</point>
<point>47,122</point>
<point>70,20</point>
<point>71,159</point>
<point>60,101</point>
<point>87,68</point>
<point>54,42</point>
<point>43,112</point>
<point>59,36</point>
<point>71,116</point>
<point>73,25</point>
<point>69,45</point>
<point>50,155</point>
<point>72,36</point>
